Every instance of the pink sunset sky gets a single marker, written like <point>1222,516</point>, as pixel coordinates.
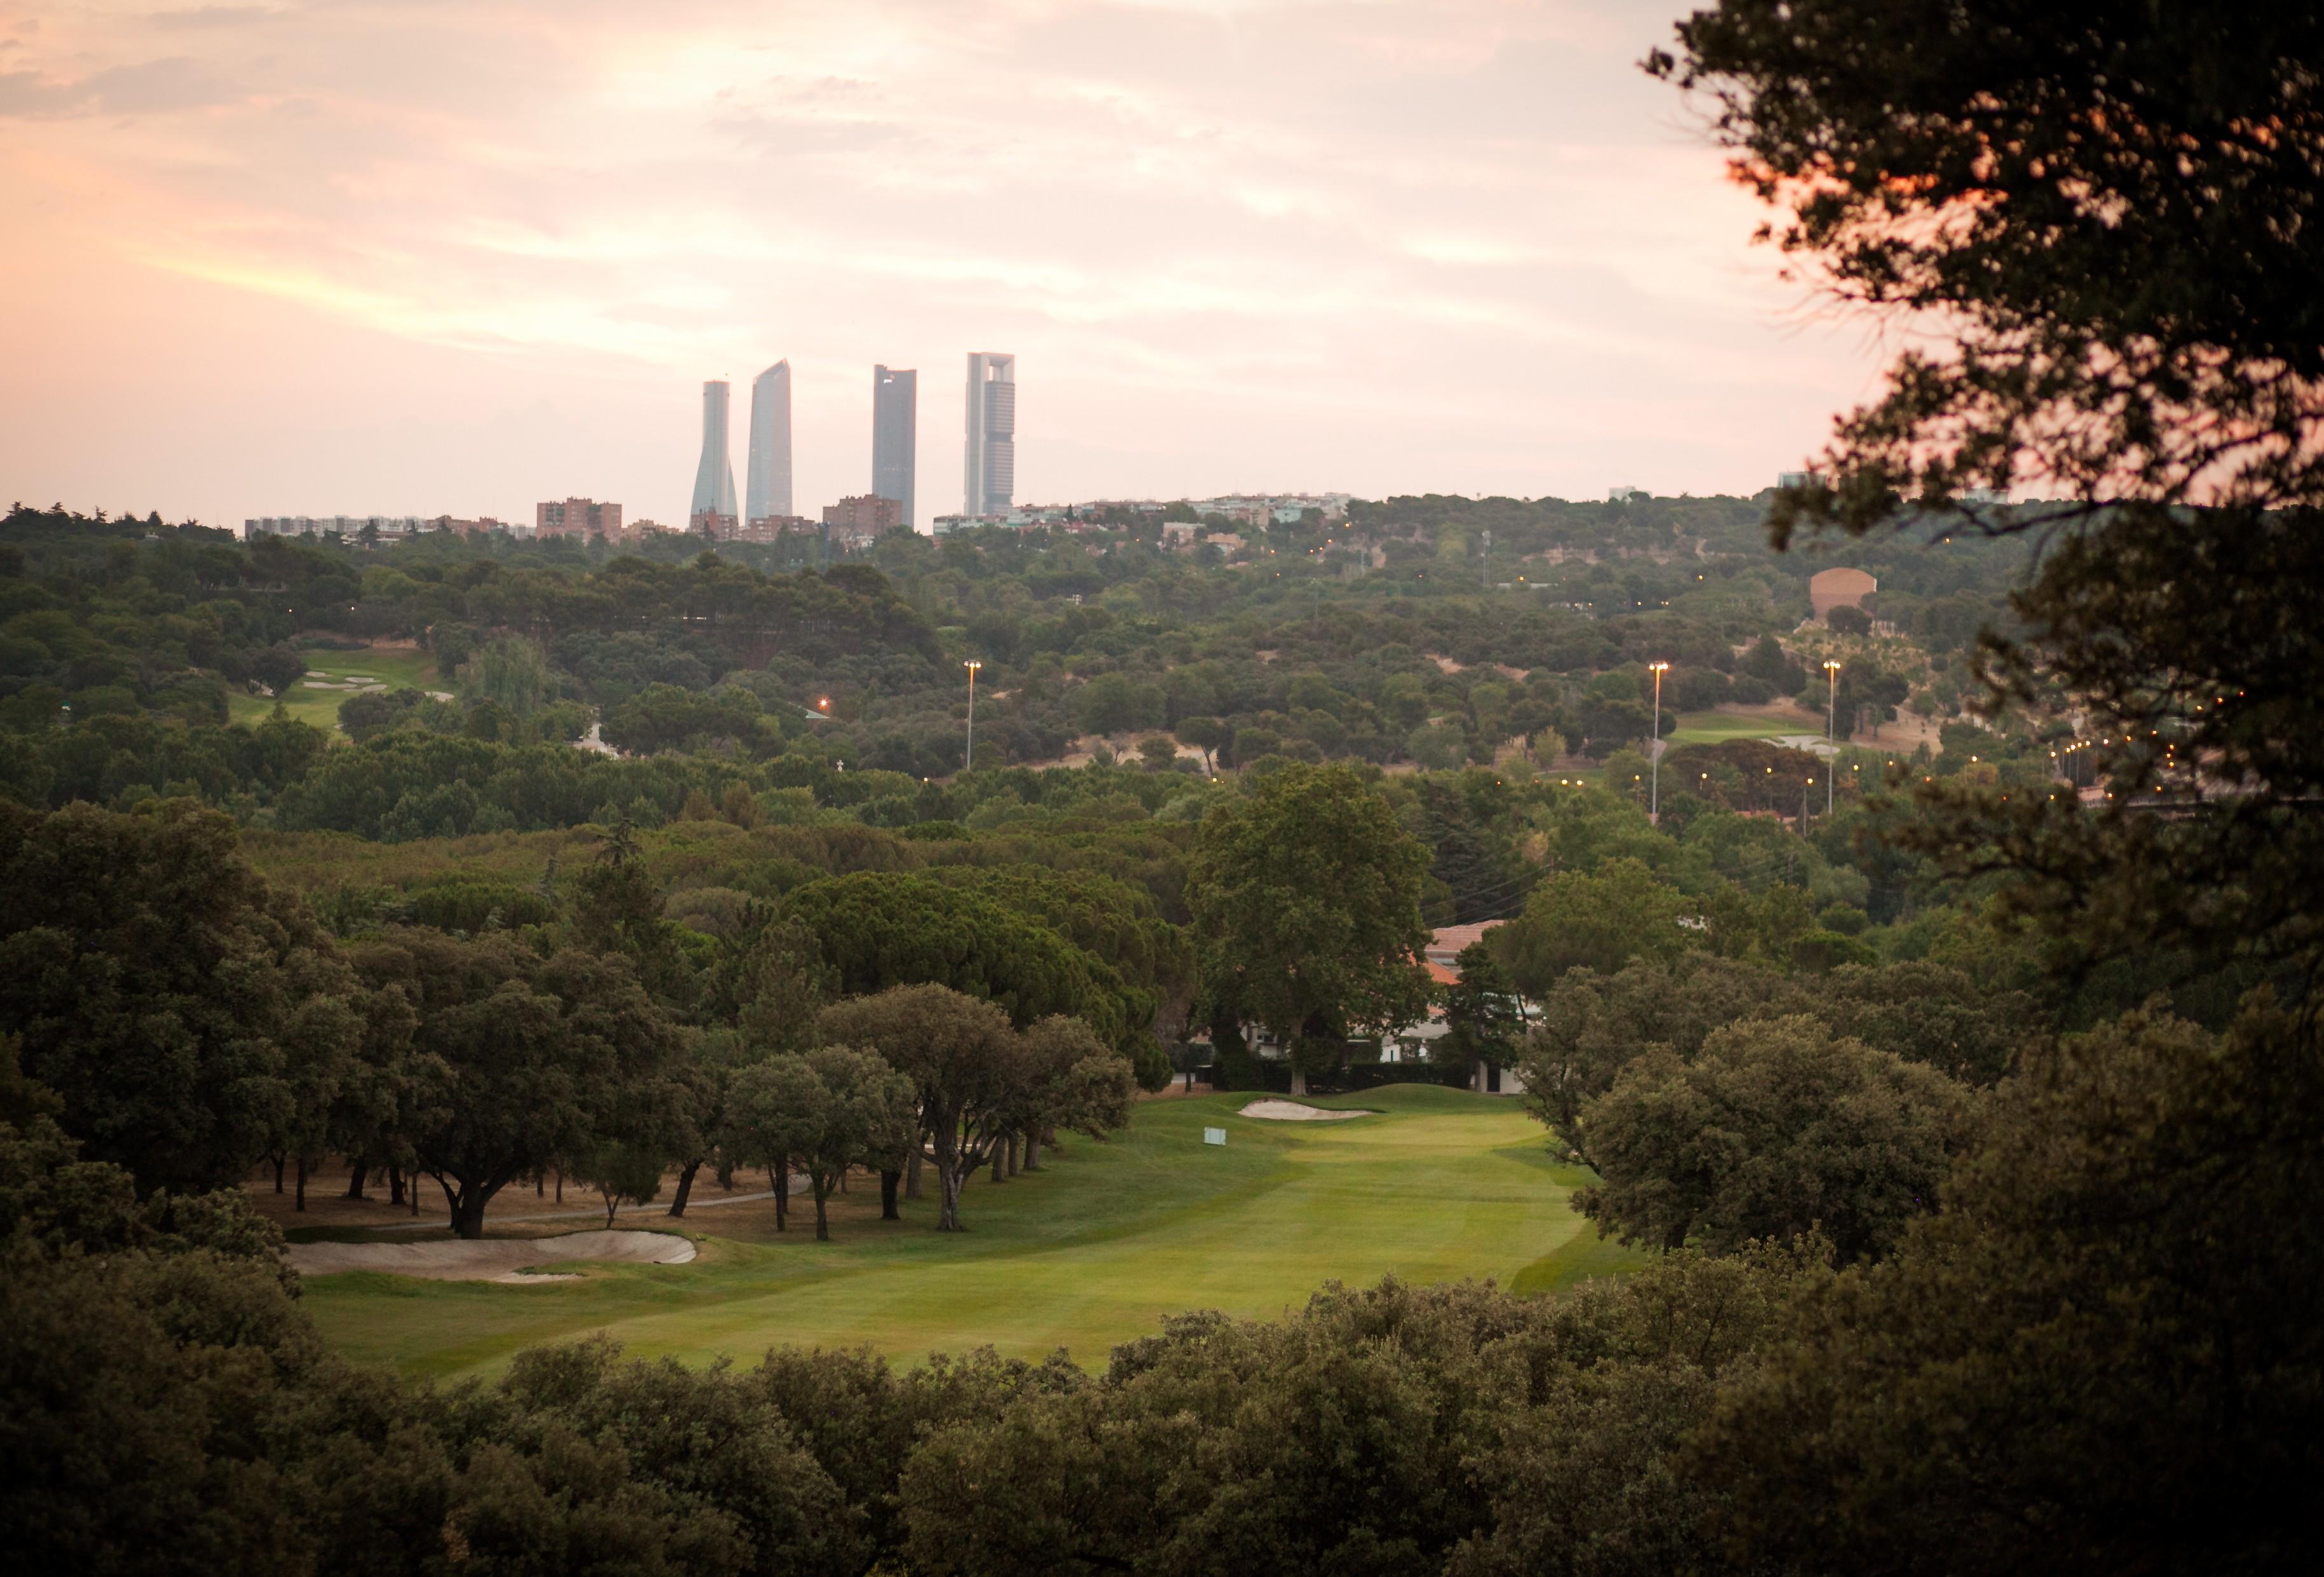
<point>400,256</point>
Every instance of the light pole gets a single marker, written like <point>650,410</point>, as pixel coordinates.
<point>968,762</point>
<point>1830,728</point>
<point>1655,761</point>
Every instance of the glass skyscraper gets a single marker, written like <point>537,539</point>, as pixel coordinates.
<point>714,478</point>
<point>895,434</point>
<point>767,493</point>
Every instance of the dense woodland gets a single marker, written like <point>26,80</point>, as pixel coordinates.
<point>1973,1125</point>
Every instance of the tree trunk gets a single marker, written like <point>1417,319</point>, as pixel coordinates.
<point>301,1203</point>
<point>394,1183</point>
<point>278,1173</point>
<point>889,1182</point>
<point>947,1158</point>
<point>685,1186</point>
<point>726,1175</point>
<point>613,1203</point>
<point>842,1179</point>
<point>1012,1152</point>
<point>912,1172</point>
<point>468,1207</point>
<point>560,1185</point>
<point>541,1184</point>
<point>778,1179</point>
<point>1299,1078</point>
<point>357,1170</point>
<point>949,1182</point>
<point>999,1160</point>
<point>1032,1149</point>
<point>822,1220</point>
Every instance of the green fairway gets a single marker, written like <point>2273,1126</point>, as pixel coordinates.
<point>1097,1248</point>
<point>1716,728</point>
<point>316,702</point>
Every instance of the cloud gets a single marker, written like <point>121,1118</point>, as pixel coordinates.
<point>1339,225</point>
<point>164,87</point>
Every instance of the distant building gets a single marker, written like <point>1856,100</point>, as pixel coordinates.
<point>1794,478</point>
<point>767,490</point>
<point>576,517</point>
<point>1840,588</point>
<point>383,528</point>
<point>713,477</point>
<point>990,477</point>
<point>865,515</point>
<point>895,436</point>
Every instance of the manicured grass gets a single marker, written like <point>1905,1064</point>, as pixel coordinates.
<point>1716,728</point>
<point>396,667</point>
<point>1095,1249</point>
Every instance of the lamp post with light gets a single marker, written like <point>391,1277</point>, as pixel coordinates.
<point>1654,767</point>
<point>968,762</point>
<point>1830,728</point>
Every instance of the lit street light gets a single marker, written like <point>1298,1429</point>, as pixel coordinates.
<point>968,762</point>
<point>1655,790</point>
<point>1831,729</point>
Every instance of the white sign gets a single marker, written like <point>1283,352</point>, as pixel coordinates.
<point>1214,1136</point>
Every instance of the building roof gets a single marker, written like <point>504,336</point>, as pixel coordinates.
<point>1446,941</point>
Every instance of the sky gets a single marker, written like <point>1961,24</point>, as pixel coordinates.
<point>412,257</point>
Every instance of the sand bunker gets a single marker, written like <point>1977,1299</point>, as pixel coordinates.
<point>1292,1111</point>
<point>491,1258</point>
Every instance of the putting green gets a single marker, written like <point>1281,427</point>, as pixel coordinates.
<point>1095,1249</point>
<point>316,702</point>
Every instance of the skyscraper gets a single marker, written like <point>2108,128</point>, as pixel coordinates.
<point>768,494</point>
<point>991,468</point>
<point>714,479</point>
<point>895,434</point>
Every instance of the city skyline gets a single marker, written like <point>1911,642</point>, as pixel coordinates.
<point>1455,247</point>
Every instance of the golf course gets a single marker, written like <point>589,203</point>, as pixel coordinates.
<point>332,676</point>
<point>1095,1248</point>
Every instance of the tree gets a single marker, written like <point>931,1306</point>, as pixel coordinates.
<point>1598,920</point>
<point>827,1110</point>
<point>621,1171</point>
<point>964,1062</point>
<point>527,1062</point>
<point>1306,898</point>
<point>1484,1020</point>
<point>189,1017</point>
<point>768,981</point>
<point>2105,1332</point>
<point>1068,1079</point>
<point>1779,1129</point>
<point>1206,734</point>
<point>879,929</point>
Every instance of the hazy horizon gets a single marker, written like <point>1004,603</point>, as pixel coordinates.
<point>430,259</point>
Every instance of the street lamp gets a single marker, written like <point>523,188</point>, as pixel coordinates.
<point>1655,791</point>
<point>969,762</point>
<point>1831,728</point>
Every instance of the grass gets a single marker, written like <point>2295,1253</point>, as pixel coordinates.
<point>1718,727</point>
<point>1094,1249</point>
<point>396,667</point>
